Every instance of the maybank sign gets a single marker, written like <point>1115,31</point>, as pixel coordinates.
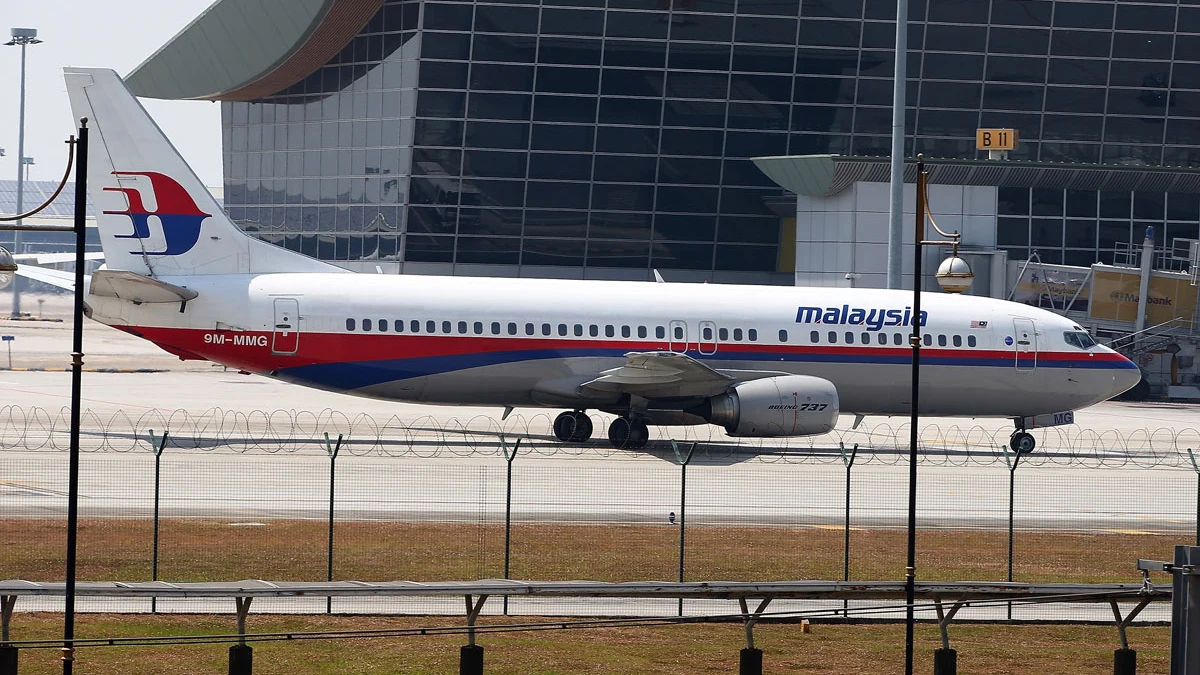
<point>873,319</point>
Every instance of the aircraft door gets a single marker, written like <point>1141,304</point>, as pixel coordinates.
<point>677,334</point>
<point>286,336</point>
<point>1025,344</point>
<point>708,338</point>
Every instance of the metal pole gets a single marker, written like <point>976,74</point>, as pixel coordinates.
<point>684,460</point>
<point>81,157</point>
<point>1196,468</point>
<point>1012,479</point>
<point>896,208</point>
<point>158,450</point>
<point>508,458</point>
<point>849,462</point>
<point>910,571</point>
<point>333,453</point>
<point>16,291</point>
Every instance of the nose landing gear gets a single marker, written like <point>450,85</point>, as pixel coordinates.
<point>1022,442</point>
<point>573,427</point>
<point>628,434</point>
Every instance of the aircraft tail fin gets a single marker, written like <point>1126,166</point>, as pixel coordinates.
<point>153,214</point>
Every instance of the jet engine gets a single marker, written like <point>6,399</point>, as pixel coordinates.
<point>788,405</point>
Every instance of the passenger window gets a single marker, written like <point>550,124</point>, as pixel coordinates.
<point>349,324</point>
<point>883,338</point>
<point>414,326</point>
<point>609,331</point>
<point>399,326</point>
<point>366,325</point>
<point>462,327</point>
<point>383,323</point>
<point>446,327</point>
<point>641,331</point>
<point>478,326</point>
<point>849,338</point>
<point>578,330</point>
<point>545,329</point>
<point>512,328</point>
<point>430,326</point>
<point>495,328</point>
<point>529,329</point>
<point>660,332</point>
<point>833,337</point>
<point>866,338</point>
<point>724,334</point>
<point>897,339</point>
<point>970,340</point>
<point>737,334</point>
<point>927,339</point>
<point>783,336</point>
<point>707,333</point>
<point>678,331</point>
<point>814,337</point>
<point>752,334</point>
<point>957,340</point>
<point>941,340</point>
<point>562,329</point>
<point>594,330</point>
<point>625,331</point>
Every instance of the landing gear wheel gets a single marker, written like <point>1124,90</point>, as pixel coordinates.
<point>628,434</point>
<point>573,427</point>
<point>1022,442</point>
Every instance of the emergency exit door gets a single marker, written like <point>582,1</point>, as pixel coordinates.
<point>286,336</point>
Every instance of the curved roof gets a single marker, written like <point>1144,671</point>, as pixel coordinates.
<point>827,175</point>
<point>241,50</point>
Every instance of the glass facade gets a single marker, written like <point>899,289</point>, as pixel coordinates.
<point>584,133</point>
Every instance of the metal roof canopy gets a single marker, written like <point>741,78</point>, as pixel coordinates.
<point>828,175</point>
<point>955,594</point>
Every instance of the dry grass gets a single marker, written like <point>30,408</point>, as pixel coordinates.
<point>209,550</point>
<point>697,648</point>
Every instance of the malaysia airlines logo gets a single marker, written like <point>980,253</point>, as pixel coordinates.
<point>174,207</point>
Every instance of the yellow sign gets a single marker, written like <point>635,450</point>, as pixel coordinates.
<point>995,139</point>
<point>1115,296</point>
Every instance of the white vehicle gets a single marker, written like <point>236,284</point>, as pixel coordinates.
<point>756,360</point>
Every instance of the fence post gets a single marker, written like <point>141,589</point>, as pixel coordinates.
<point>332,451</point>
<point>1196,467</point>
<point>849,462</point>
<point>158,447</point>
<point>1012,461</point>
<point>683,460</point>
<point>508,458</point>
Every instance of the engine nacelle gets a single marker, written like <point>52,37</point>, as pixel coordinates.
<point>788,405</point>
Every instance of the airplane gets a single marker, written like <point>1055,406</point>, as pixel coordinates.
<point>760,361</point>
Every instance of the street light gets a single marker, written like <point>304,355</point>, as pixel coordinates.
<point>954,275</point>
<point>27,162</point>
<point>21,37</point>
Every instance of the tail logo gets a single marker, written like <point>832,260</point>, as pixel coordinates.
<point>175,209</point>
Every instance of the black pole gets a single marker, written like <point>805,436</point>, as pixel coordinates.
<point>1012,479</point>
<point>508,458</point>
<point>1196,467</point>
<point>333,453</point>
<point>910,571</point>
<point>81,151</point>
<point>849,462</point>
<point>683,465</point>
<point>158,450</point>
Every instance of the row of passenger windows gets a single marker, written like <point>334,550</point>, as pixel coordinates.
<point>545,329</point>
<point>660,332</point>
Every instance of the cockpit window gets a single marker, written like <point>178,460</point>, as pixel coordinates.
<point>1079,339</point>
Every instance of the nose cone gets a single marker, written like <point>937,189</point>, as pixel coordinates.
<point>1126,375</point>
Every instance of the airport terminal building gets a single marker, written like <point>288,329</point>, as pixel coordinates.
<point>608,138</point>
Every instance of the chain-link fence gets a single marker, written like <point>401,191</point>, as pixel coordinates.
<point>302,496</point>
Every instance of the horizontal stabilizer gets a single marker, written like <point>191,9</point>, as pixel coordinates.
<point>57,278</point>
<point>136,288</point>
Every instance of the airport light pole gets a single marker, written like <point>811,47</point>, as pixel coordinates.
<point>954,275</point>
<point>21,37</point>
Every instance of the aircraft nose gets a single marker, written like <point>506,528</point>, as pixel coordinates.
<point>1125,376</point>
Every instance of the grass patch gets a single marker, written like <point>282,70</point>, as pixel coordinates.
<point>698,648</point>
<point>295,550</point>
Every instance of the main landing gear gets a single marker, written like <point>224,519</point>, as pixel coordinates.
<point>628,433</point>
<point>573,427</point>
<point>1022,442</point>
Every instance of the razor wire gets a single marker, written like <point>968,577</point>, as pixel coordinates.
<point>884,441</point>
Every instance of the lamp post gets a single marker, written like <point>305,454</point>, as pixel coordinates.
<point>21,37</point>
<point>954,275</point>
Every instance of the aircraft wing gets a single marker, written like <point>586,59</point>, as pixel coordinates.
<point>655,375</point>
<point>57,278</point>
